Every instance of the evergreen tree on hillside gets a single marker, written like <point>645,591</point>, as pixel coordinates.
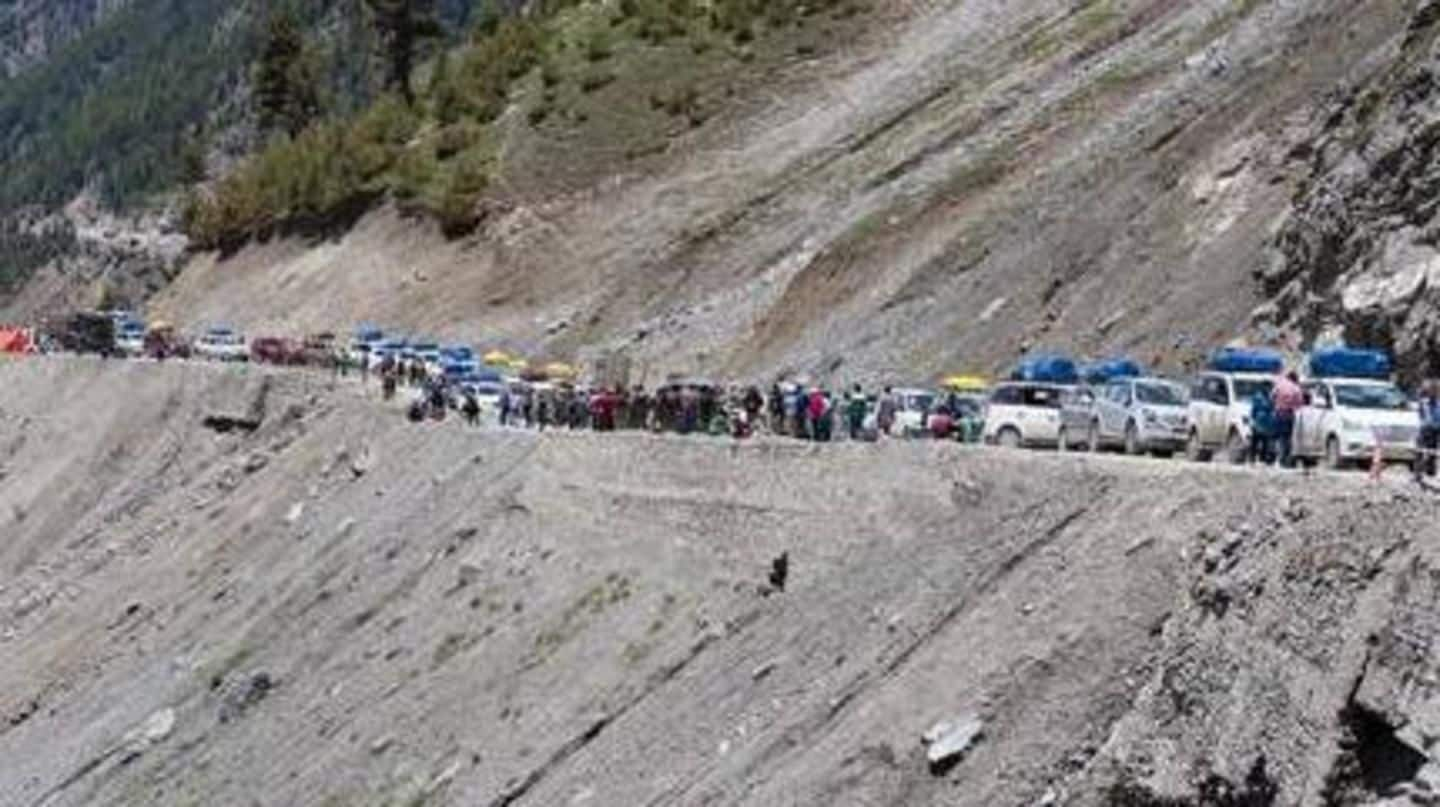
<point>286,86</point>
<point>402,26</point>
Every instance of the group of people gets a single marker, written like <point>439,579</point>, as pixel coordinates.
<point>807,413</point>
<point>1273,416</point>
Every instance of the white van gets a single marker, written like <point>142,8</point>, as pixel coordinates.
<point>1024,414</point>
<point>1346,419</point>
<point>1220,413</point>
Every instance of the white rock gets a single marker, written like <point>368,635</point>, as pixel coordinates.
<point>158,726</point>
<point>950,738</point>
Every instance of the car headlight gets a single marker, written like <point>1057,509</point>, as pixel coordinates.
<point>1350,425</point>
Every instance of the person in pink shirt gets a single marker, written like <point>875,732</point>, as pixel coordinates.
<point>1288,398</point>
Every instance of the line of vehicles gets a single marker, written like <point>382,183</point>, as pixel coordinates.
<point>1353,408</point>
<point>122,334</point>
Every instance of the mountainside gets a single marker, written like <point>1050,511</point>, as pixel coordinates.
<point>938,188</point>
<point>1359,258</point>
<point>123,103</point>
<point>340,607</point>
<point>31,30</point>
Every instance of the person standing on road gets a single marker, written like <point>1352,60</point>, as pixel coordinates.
<point>855,410</point>
<point>1288,399</point>
<point>1262,429</point>
<point>1425,460</point>
<point>752,405</point>
<point>471,408</point>
<point>885,413</point>
<point>503,405</point>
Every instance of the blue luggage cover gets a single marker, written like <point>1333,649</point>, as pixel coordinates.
<point>1246,360</point>
<point>1046,368</point>
<point>1346,362</point>
<point>1102,371</point>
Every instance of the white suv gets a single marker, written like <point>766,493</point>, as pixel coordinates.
<point>222,344</point>
<point>1024,414</point>
<point>1140,415</point>
<point>1345,420</point>
<point>1220,413</point>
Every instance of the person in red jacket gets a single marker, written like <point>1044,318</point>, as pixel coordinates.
<point>1288,398</point>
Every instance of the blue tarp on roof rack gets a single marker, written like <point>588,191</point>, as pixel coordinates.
<point>1346,362</point>
<point>1246,360</point>
<point>1049,368</point>
<point>1101,372</point>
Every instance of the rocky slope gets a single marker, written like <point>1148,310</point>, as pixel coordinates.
<point>228,586</point>
<point>957,183</point>
<point>1357,257</point>
<point>102,259</point>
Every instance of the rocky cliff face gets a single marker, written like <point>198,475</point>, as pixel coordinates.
<point>32,29</point>
<point>99,258</point>
<point>1358,258</point>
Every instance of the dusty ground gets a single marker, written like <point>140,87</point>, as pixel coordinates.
<point>964,181</point>
<point>342,608</point>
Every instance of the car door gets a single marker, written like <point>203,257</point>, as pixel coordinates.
<point>1118,413</point>
<point>1210,422</point>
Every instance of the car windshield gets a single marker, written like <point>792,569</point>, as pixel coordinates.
<point>1245,388</point>
<point>1160,394</point>
<point>966,407</point>
<point>1370,396</point>
<point>919,402</point>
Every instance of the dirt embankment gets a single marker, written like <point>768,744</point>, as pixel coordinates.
<point>963,181</point>
<point>223,586</point>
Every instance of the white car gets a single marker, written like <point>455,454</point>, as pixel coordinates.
<point>912,412</point>
<point>223,344</point>
<point>130,338</point>
<point>1346,419</point>
<point>1140,415</point>
<point>1220,413</point>
<point>365,341</point>
<point>1024,414</point>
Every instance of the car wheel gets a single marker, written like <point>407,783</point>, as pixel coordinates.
<point>1132,440</point>
<point>1236,449</point>
<point>1009,438</point>
<point>1333,460</point>
<point>1194,449</point>
<point>1093,438</point>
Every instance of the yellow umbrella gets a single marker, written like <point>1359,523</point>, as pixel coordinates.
<point>497,358</point>
<point>966,383</point>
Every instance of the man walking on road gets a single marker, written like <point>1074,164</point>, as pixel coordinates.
<point>1288,398</point>
<point>1425,462</point>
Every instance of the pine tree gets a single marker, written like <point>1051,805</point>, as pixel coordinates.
<point>287,95</point>
<point>402,25</point>
<point>444,95</point>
